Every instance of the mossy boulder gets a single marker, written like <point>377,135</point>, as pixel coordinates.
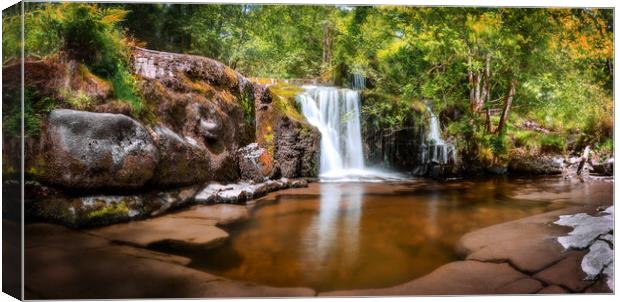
<point>85,150</point>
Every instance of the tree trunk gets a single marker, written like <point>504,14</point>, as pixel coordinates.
<point>507,103</point>
<point>584,160</point>
<point>327,44</point>
<point>486,92</point>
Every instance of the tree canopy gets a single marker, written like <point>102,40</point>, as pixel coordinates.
<point>547,65</point>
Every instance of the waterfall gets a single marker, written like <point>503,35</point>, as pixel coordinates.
<point>358,82</point>
<point>435,150</point>
<point>336,113</point>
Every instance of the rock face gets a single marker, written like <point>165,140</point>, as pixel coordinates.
<point>205,103</point>
<point>297,149</point>
<point>290,140</point>
<point>92,150</point>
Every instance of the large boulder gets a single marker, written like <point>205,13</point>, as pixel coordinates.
<point>200,99</point>
<point>181,159</point>
<point>97,150</point>
<point>536,165</point>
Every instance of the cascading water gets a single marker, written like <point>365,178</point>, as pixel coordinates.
<point>435,150</point>
<point>335,112</point>
<point>358,82</point>
<point>438,149</point>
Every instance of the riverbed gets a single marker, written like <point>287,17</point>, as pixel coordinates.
<point>334,236</point>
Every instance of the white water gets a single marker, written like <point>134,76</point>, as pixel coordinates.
<point>359,81</point>
<point>335,112</point>
<point>438,150</point>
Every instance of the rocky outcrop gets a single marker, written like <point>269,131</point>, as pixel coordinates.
<point>293,143</point>
<point>297,148</point>
<point>204,102</point>
<point>101,209</point>
<point>536,165</point>
<point>605,167</point>
<point>98,268</point>
<point>242,192</point>
<point>94,150</point>
<point>594,233</point>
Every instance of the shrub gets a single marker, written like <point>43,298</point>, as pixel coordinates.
<point>87,33</point>
<point>552,143</point>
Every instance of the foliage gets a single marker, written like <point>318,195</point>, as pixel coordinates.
<point>35,107</point>
<point>554,65</point>
<point>84,32</point>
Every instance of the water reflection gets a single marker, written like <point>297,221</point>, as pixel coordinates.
<point>335,231</point>
<point>369,235</point>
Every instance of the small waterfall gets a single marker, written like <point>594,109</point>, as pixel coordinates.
<point>336,113</point>
<point>435,150</point>
<point>358,81</point>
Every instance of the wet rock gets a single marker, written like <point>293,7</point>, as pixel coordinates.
<point>100,210</point>
<point>255,163</point>
<point>217,193</point>
<point>600,256</point>
<point>298,183</point>
<point>603,168</point>
<point>458,278</point>
<point>168,230</point>
<point>182,160</point>
<point>120,271</point>
<point>297,149</point>
<point>241,192</point>
<point>97,150</point>
<point>536,165</point>
<point>586,228</point>
<point>593,233</point>
<point>566,273</point>
<point>553,290</point>
<point>224,214</point>
<point>530,249</point>
<point>290,140</point>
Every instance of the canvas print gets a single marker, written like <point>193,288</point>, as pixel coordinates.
<point>169,150</point>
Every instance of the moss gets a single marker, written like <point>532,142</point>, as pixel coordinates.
<point>283,96</point>
<point>109,211</point>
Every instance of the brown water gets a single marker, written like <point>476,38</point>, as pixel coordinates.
<point>369,235</point>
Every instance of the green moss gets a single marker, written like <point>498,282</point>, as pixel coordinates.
<point>283,96</point>
<point>109,211</point>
